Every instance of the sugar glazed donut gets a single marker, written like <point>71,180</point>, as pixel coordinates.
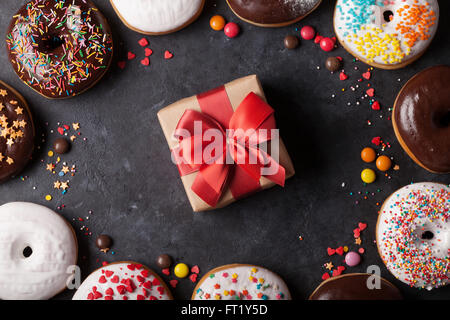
<point>156,17</point>
<point>421,118</point>
<point>241,282</point>
<point>272,13</point>
<point>353,286</point>
<point>386,34</point>
<point>125,280</point>
<point>16,132</point>
<point>37,247</point>
<point>413,234</point>
<point>59,48</point>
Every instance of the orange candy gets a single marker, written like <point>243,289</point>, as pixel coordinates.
<point>217,23</point>
<point>383,163</point>
<point>368,155</point>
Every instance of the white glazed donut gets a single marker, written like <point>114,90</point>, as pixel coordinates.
<point>413,234</point>
<point>386,34</point>
<point>157,16</point>
<point>125,280</point>
<point>53,244</point>
<point>241,282</point>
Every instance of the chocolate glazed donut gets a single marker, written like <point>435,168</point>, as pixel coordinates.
<point>353,286</point>
<point>272,13</point>
<point>421,118</point>
<point>16,132</point>
<point>59,48</point>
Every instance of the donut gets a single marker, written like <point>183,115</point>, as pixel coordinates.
<point>272,13</point>
<point>156,17</point>
<point>353,286</point>
<point>124,280</point>
<point>386,34</point>
<point>59,48</point>
<point>421,118</point>
<point>413,234</point>
<point>37,247</point>
<point>241,282</point>
<point>16,132</point>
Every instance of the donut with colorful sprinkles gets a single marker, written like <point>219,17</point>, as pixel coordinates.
<point>413,234</point>
<point>241,282</point>
<point>125,280</point>
<point>387,34</point>
<point>59,48</point>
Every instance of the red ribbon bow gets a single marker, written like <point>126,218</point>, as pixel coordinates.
<point>240,143</point>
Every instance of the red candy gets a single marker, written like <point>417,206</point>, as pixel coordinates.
<point>376,105</point>
<point>144,62</point>
<point>168,55</point>
<point>327,44</point>
<point>231,30</point>
<point>143,42</point>
<point>307,32</point>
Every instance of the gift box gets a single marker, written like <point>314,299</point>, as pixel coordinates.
<point>228,112</point>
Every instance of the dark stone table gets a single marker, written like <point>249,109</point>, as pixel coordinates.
<point>125,176</point>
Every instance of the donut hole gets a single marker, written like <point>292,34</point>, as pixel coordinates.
<point>442,119</point>
<point>427,235</point>
<point>27,252</point>
<point>388,15</point>
<point>50,43</point>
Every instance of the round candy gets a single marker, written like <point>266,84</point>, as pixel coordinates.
<point>333,64</point>
<point>326,44</point>
<point>164,261</point>
<point>103,242</point>
<point>307,32</point>
<point>181,270</point>
<point>231,30</point>
<point>217,23</point>
<point>61,145</point>
<point>368,176</point>
<point>368,155</point>
<point>383,163</point>
<point>352,259</point>
<point>291,42</point>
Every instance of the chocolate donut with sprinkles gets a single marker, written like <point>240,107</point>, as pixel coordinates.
<point>16,133</point>
<point>413,234</point>
<point>59,48</point>
<point>387,34</point>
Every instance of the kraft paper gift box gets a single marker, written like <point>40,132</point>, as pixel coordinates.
<point>235,92</point>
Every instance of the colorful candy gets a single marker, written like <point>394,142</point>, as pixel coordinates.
<point>327,44</point>
<point>352,259</point>
<point>368,176</point>
<point>217,23</point>
<point>368,155</point>
<point>307,33</point>
<point>181,270</point>
<point>383,163</point>
<point>231,30</point>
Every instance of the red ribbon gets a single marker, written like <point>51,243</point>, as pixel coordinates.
<point>214,174</point>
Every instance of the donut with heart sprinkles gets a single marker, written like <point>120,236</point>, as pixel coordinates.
<point>16,132</point>
<point>59,49</point>
<point>123,281</point>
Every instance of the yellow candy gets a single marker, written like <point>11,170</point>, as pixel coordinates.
<point>48,197</point>
<point>368,176</point>
<point>181,270</point>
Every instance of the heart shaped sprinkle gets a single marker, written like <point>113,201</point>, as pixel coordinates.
<point>193,277</point>
<point>343,76</point>
<point>366,75</point>
<point>168,55</point>
<point>173,283</point>
<point>340,251</point>
<point>145,61</point>
<point>121,64</point>
<point>195,269</point>
<point>148,52</point>
<point>331,251</point>
<point>325,276</point>
<point>131,56</point>
<point>370,92</point>
<point>362,226</point>
<point>143,42</point>
<point>376,105</point>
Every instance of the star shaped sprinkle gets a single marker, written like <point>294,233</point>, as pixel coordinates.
<point>65,169</point>
<point>1,106</point>
<point>3,93</point>
<point>64,185</point>
<point>75,126</point>
<point>50,167</point>
<point>329,265</point>
<point>1,157</point>
<point>56,184</point>
<point>358,241</point>
<point>10,142</point>
<point>9,160</point>
<point>72,138</point>
<point>19,110</point>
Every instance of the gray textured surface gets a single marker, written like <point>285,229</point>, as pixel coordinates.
<point>125,175</point>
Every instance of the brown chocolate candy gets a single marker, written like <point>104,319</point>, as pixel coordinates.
<point>61,146</point>
<point>421,118</point>
<point>16,132</point>
<point>272,12</point>
<point>291,42</point>
<point>164,261</point>
<point>333,64</point>
<point>103,242</point>
<point>353,286</point>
